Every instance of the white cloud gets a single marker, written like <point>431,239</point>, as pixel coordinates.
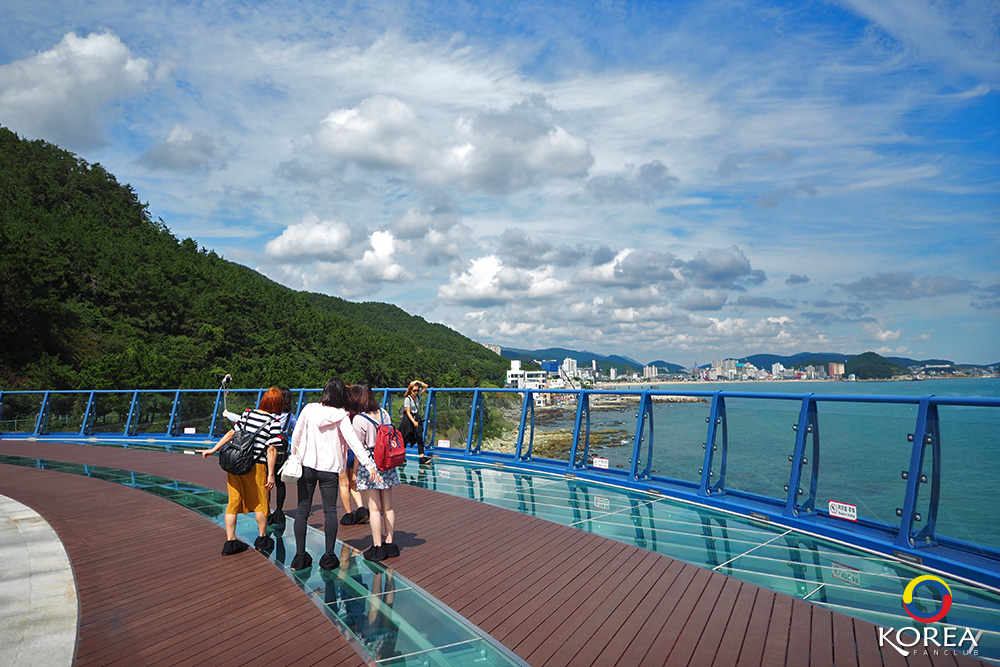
<point>63,94</point>
<point>875,333</point>
<point>487,282</point>
<point>185,150</point>
<point>378,263</point>
<point>381,132</point>
<point>311,239</point>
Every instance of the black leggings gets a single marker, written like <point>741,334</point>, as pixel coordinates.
<point>329,489</point>
<point>413,435</point>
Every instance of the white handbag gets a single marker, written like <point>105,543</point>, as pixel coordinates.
<point>291,470</point>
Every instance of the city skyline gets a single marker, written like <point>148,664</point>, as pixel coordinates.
<point>677,180</point>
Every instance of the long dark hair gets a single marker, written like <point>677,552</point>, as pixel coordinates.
<point>363,399</point>
<point>334,394</point>
<point>286,396</point>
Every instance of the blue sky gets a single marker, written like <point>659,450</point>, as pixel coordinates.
<point>680,181</point>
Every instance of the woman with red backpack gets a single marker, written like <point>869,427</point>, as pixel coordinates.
<point>377,493</point>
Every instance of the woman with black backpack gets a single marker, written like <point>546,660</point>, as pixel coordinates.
<point>250,492</point>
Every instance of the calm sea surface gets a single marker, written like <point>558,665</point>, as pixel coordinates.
<point>863,448</point>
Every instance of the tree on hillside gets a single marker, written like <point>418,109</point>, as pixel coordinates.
<point>871,366</point>
<point>95,293</point>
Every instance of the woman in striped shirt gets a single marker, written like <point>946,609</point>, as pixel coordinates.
<point>251,492</point>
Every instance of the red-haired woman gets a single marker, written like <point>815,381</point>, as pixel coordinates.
<point>250,492</point>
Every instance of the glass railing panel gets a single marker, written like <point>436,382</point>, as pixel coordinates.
<point>970,473</point>
<point>555,418</point>
<point>863,451</point>
<point>153,412</point>
<point>66,411</point>
<point>500,420</point>
<point>760,441</point>
<point>679,433</point>
<point>613,420</point>
<point>449,420</point>
<point>110,412</point>
<point>194,415</point>
<point>237,401</point>
<point>20,412</point>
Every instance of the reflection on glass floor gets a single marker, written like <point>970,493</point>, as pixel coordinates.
<point>838,577</point>
<point>382,613</point>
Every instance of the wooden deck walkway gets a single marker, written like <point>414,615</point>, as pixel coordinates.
<point>154,587</point>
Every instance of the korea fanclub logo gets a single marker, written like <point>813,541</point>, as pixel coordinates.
<point>926,639</point>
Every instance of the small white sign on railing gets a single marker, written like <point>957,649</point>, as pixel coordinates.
<point>602,503</point>
<point>444,473</point>
<point>188,430</point>
<point>843,510</point>
<point>444,443</point>
<point>846,573</point>
<point>601,462</point>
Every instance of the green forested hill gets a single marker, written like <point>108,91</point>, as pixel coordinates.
<point>96,294</point>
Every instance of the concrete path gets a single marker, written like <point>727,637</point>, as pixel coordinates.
<point>39,610</point>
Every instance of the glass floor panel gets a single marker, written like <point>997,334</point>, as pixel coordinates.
<point>392,620</point>
<point>843,579</point>
<point>376,609</point>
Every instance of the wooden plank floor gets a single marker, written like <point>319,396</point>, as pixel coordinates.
<point>552,594</point>
<point>154,589</point>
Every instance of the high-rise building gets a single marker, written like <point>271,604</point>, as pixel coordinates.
<point>835,370</point>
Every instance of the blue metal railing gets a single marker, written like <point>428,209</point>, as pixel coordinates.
<point>508,421</point>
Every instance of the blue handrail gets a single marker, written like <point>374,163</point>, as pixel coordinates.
<point>800,507</point>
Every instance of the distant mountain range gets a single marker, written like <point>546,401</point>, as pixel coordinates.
<point>764,361</point>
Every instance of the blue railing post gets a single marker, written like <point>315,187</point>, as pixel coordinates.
<point>174,414</point>
<point>132,416</point>
<point>87,415</point>
<point>926,433</point>
<point>528,401</point>
<point>645,413</point>
<point>215,412</point>
<point>429,409</point>
<point>808,424</point>
<point>42,422</point>
<point>716,417</point>
<point>582,406</point>
<point>472,422</point>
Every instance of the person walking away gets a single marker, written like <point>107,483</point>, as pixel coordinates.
<point>320,440</point>
<point>251,492</point>
<point>349,491</point>
<point>368,415</point>
<point>287,420</point>
<point>413,432</point>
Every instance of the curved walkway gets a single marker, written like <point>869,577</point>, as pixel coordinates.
<point>553,594</point>
<point>38,604</point>
<point>155,591</point>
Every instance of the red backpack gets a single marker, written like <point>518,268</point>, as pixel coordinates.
<point>390,451</point>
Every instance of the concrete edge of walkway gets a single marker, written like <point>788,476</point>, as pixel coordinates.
<point>39,604</point>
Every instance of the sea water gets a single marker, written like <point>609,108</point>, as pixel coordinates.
<point>863,447</point>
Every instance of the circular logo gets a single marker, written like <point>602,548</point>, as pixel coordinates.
<point>933,582</point>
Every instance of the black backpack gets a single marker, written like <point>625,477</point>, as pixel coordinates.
<point>237,456</point>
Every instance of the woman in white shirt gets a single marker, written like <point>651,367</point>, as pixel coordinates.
<point>322,435</point>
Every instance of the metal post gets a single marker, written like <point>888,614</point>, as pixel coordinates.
<point>520,431</point>
<point>86,414</point>
<point>582,405</point>
<point>174,414</point>
<point>42,422</point>
<point>133,408</point>
<point>716,417</point>
<point>912,475</point>
<point>472,421</point>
